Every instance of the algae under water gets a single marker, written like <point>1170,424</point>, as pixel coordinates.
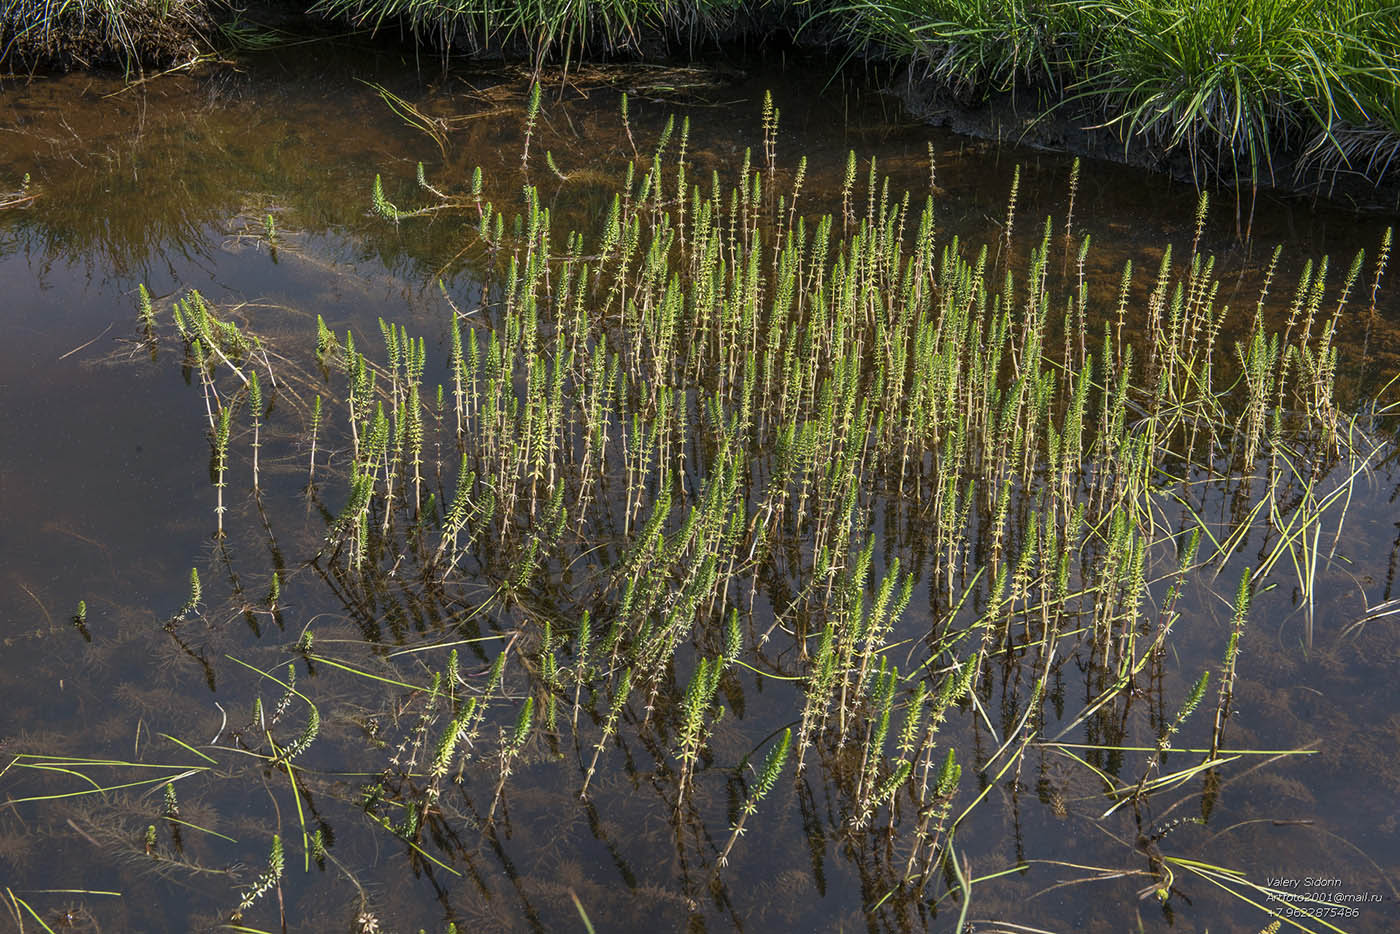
<point>156,748</point>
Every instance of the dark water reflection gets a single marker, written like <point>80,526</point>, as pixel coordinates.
<point>105,497</point>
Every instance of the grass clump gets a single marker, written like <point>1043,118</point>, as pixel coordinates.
<point>1234,84</point>
<point>131,34</point>
<point>549,30</point>
<point>974,48</point>
<point>1231,86</point>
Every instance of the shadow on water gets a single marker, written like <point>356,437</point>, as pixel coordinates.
<point>107,493</point>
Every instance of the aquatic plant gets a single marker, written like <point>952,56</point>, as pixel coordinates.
<point>749,347</point>
<point>854,462</point>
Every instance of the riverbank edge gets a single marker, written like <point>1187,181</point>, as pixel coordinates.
<point>1021,118</point>
<point>159,34</point>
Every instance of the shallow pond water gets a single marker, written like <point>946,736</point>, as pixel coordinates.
<point>106,497</point>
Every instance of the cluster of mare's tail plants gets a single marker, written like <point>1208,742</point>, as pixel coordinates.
<point>720,434</point>
<point>721,440</point>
